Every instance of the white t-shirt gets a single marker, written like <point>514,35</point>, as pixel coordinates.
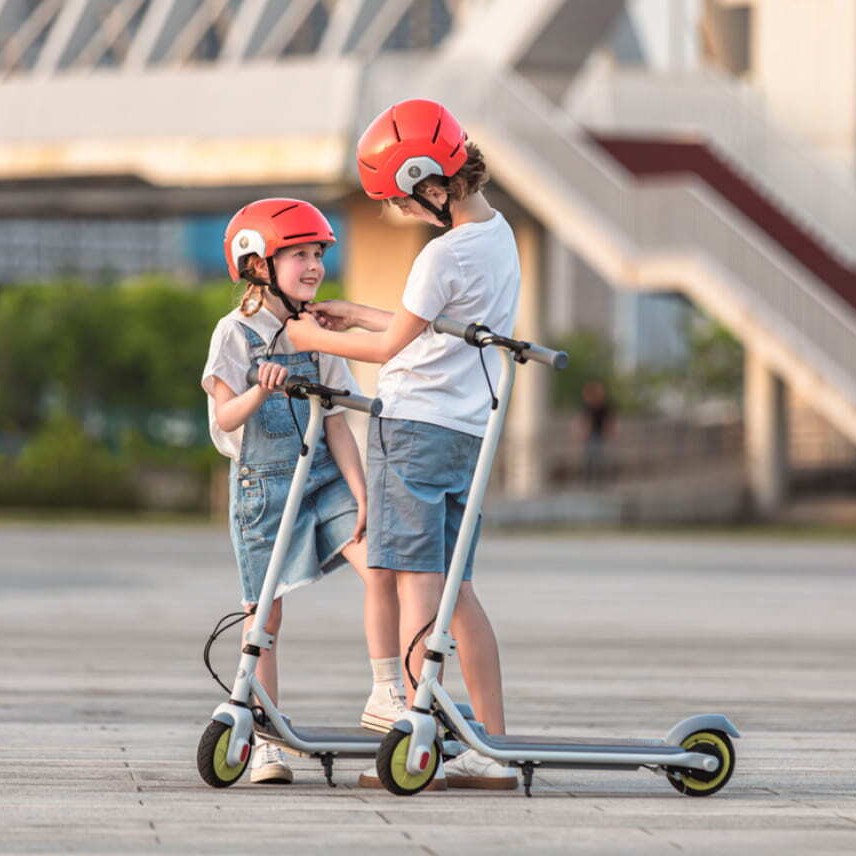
<point>229,360</point>
<point>471,274</point>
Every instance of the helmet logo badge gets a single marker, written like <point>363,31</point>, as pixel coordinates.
<point>414,172</point>
<point>243,242</point>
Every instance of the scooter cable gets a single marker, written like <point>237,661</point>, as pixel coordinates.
<point>219,629</point>
<point>413,643</point>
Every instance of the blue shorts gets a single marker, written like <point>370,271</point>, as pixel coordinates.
<point>419,478</point>
<point>324,526</point>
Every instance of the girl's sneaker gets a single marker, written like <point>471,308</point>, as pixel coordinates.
<point>268,766</point>
<point>385,706</point>
<point>472,770</point>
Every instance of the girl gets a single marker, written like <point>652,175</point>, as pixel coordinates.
<point>276,246</point>
<point>422,453</point>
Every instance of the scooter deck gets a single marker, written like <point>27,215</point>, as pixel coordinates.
<point>307,741</point>
<point>601,745</point>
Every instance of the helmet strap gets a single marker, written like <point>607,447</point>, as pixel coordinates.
<point>443,214</point>
<point>276,291</point>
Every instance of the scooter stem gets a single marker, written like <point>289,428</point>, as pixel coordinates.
<point>257,636</point>
<point>440,641</point>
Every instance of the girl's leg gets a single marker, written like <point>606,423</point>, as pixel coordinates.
<point>380,604</point>
<point>266,669</point>
<point>479,654</point>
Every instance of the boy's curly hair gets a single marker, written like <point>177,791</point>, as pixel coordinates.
<point>469,179</point>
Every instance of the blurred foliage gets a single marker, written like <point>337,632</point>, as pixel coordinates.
<point>714,368</point>
<point>60,466</point>
<point>98,380</point>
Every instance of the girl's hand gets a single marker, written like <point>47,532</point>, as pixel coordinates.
<point>301,332</point>
<point>271,375</point>
<point>335,315</point>
<point>360,528</point>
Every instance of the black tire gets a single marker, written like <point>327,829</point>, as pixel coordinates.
<point>698,783</point>
<point>211,756</point>
<point>391,770</point>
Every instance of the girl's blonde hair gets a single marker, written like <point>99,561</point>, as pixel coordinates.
<point>253,297</point>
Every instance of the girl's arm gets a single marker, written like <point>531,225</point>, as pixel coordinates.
<point>232,410</point>
<point>372,347</point>
<point>344,450</point>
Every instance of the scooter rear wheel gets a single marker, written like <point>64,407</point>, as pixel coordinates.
<point>391,765</point>
<point>698,783</point>
<point>211,756</point>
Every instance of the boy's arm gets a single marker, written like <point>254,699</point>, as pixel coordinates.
<point>339,315</point>
<point>343,448</point>
<point>371,347</point>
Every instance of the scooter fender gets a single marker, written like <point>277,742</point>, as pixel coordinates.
<point>240,738</point>
<point>423,732</point>
<point>701,722</point>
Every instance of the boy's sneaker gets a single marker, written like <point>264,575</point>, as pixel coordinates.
<point>370,779</point>
<point>268,766</point>
<point>385,706</point>
<point>472,770</point>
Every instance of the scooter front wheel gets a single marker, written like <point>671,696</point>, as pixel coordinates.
<point>392,765</point>
<point>698,783</point>
<point>211,756</point>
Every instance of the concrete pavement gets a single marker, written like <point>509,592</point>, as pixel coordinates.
<point>103,696</point>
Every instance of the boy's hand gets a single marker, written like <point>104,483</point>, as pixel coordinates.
<point>360,528</point>
<point>333,315</point>
<point>271,375</point>
<point>301,332</point>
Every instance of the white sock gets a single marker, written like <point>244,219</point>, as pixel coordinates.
<point>386,672</point>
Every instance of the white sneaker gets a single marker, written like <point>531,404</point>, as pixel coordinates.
<point>370,779</point>
<point>384,707</point>
<point>472,770</point>
<point>268,765</point>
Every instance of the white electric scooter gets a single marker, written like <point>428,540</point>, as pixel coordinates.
<point>696,756</point>
<point>225,745</point>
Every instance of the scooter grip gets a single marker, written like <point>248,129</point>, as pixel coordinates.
<point>556,359</point>
<point>372,406</point>
<point>362,403</point>
<point>442,324</point>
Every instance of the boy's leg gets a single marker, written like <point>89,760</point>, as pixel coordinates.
<point>380,605</point>
<point>385,704</point>
<point>479,655</point>
<point>418,596</point>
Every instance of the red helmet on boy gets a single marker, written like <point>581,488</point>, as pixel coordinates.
<point>268,225</point>
<point>405,144</point>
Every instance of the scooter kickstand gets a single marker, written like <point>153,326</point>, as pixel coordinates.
<point>528,769</point>
<point>327,763</point>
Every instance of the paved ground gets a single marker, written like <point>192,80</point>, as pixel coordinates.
<point>103,696</point>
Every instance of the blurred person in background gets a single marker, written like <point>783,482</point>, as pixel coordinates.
<point>598,414</point>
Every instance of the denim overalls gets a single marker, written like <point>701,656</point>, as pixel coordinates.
<point>259,483</point>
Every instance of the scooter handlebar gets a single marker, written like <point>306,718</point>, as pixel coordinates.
<point>298,386</point>
<point>476,334</point>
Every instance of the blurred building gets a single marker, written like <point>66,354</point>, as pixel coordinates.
<point>651,155</point>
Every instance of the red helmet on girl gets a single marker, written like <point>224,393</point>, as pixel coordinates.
<point>405,144</point>
<point>268,225</point>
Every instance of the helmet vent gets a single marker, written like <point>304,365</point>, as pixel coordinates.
<point>395,128</point>
<point>436,131</point>
<point>282,211</point>
<point>300,235</point>
<point>368,165</point>
<point>454,150</point>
